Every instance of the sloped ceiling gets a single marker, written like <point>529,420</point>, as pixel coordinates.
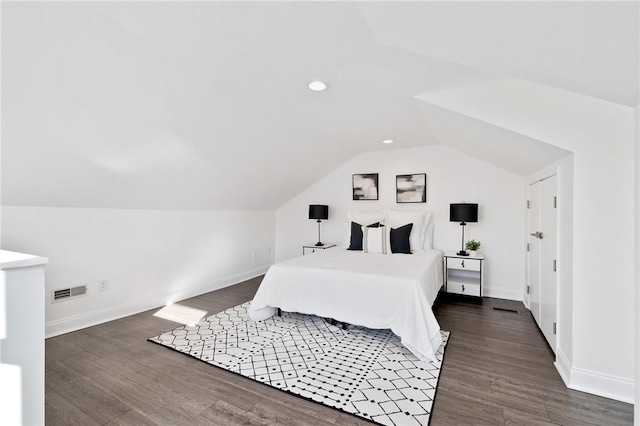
<point>486,141</point>
<point>588,47</point>
<point>204,105</point>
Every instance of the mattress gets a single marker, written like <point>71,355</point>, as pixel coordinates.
<point>372,290</point>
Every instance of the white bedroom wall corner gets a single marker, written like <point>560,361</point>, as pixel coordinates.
<point>563,365</point>
<point>504,293</point>
<point>604,198</point>
<point>565,284</point>
<point>596,383</point>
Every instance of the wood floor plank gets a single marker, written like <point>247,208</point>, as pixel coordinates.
<point>60,412</point>
<point>488,398</point>
<point>174,415</point>
<point>497,370</point>
<point>132,418</point>
<point>120,387</point>
<point>349,420</point>
<point>287,414</point>
<point>586,413</point>
<point>449,409</point>
<point>98,405</point>
<point>223,413</point>
<point>177,389</point>
<point>513,416</point>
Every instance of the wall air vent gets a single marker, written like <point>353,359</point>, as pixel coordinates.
<point>69,293</point>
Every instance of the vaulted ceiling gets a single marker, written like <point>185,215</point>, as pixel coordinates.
<point>204,105</point>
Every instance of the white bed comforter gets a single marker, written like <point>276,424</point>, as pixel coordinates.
<point>371,290</point>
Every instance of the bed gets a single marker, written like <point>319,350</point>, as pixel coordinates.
<point>379,291</point>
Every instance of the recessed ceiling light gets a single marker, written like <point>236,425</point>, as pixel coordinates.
<point>388,141</point>
<point>318,86</point>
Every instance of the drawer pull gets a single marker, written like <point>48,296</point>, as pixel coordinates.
<point>463,265</point>
<point>462,287</point>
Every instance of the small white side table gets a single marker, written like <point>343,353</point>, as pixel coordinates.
<point>314,247</point>
<point>463,274</point>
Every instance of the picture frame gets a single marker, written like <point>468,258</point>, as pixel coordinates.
<point>411,188</point>
<point>365,186</point>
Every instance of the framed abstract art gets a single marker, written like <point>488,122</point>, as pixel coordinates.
<point>411,188</point>
<point>365,186</point>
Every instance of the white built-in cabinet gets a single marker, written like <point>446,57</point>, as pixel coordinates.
<point>22,300</point>
<point>541,255</point>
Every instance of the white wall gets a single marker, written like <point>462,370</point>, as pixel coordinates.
<point>564,342</point>
<point>451,177</point>
<point>148,257</point>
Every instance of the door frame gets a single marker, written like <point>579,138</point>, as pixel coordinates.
<point>546,174</point>
<point>563,169</point>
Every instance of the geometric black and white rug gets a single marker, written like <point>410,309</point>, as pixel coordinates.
<point>361,371</point>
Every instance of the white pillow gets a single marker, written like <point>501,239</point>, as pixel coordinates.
<point>365,218</point>
<point>374,240</point>
<point>420,219</point>
<point>428,238</point>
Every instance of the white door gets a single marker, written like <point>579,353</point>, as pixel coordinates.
<point>541,229</point>
<point>548,260</point>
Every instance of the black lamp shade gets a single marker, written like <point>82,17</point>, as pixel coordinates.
<point>463,212</point>
<point>318,211</point>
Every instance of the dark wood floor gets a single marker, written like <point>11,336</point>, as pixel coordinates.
<point>497,370</point>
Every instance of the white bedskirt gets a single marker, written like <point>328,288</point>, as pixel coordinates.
<point>371,290</point>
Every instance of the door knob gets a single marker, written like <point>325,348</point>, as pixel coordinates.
<point>537,234</point>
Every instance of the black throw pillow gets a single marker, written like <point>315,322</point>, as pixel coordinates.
<point>399,239</point>
<point>356,235</point>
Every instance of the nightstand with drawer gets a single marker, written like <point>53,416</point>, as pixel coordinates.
<point>463,274</point>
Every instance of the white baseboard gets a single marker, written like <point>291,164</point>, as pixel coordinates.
<point>503,293</point>
<point>563,365</point>
<point>88,319</point>
<point>593,382</point>
<point>605,385</point>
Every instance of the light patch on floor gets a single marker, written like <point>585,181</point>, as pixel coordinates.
<point>181,314</point>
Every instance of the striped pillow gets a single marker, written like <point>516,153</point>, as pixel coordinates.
<point>374,240</point>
